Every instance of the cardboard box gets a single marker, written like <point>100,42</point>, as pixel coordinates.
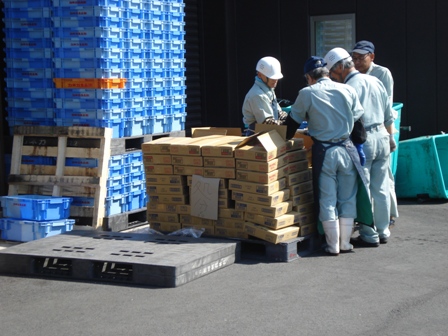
<point>170,199</point>
<point>161,145</point>
<point>282,221</point>
<point>223,183</point>
<point>269,200</point>
<point>162,217</point>
<point>301,188</point>
<point>226,203</point>
<point>257,188</point>
<point>265,167</point>
<point>219,162</point>
<point>224,193</point>
<point>166,179</point>
<point>297,155</point>
<point>204,131</point>
<point>166,189</point>
<point>230,213</point>
<point>307,144</point>
<point>299,177</point>
<point>272,236</point>
<point>159,169</point>
<point>303,198</point>
<point>223,148</point>
<point>189,219</point>
<point>186,160</point>
<point>228,173</point>
<point>305,219</point>
<point>231,233</point>
<point>154,207</point>
<point>261,147</point>
<point>251,176</point>
<point>304,208</point>
<point>298,166</point>
<point>306,230</point>
<point>192,146</point>
<point>295,144</point>
<point>150,159</point>
<point>269,211</point>
<point>188,170</point>
<point>183,209</point>
<point>230,223</point>
<point>209,230</point>
<point>165,226</point>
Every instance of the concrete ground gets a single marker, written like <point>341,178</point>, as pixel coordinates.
<point>400,288</point>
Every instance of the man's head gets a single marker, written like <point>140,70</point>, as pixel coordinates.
<point>339,63</point>
<point>363,54</point>
<point>269,71</point>
<point>314,69</point>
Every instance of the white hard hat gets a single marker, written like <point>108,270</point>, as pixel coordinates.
<point>335,55</point>
<point>270,67</point>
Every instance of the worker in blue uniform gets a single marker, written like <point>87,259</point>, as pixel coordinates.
<point>260,104</point>
<point>331,109</point>
<point>379,123</point>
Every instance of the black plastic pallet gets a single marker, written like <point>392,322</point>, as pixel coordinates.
<point>127,258</point>
<point>284,252</point>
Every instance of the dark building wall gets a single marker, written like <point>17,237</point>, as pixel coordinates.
<point>410,40</point>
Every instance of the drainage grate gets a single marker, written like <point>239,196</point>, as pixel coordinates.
<point>53,266</point>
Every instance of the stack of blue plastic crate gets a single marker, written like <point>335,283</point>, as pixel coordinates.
<point>29,67</point>
<point>99,63</point>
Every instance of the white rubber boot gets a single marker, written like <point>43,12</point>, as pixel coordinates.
<point>346,229</point>
<point>331,229</point>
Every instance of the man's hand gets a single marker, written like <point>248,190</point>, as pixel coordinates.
<point>392,143</point>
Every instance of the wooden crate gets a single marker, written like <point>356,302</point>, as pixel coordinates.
<point>61,180</point>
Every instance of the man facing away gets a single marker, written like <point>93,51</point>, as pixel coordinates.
<point>378,121</point>
<point>331,109</point>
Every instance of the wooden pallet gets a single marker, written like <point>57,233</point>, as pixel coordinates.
<point>62,180</point>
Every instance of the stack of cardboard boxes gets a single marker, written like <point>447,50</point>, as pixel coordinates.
<point>264,184</point>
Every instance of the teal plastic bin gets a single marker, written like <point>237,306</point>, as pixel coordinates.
<point>394,156</point>
<point>422,169</point>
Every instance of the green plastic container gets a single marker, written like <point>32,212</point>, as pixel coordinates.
<point>422,169</point>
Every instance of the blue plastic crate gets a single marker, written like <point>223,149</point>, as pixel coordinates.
<point>30,102</point>
<point>155,5</point>
<point>158,124</point>
<point>134,157</point>
<point>29,73</point>
<point>156,25</point>
<point>175,81</point>
<point>88,11</point>
<point>136,200</point>
<point>157,15</point>
<point>134,167</point>
<point>29,93</point>
<point>156,82</point>
<point>75,3</point>
<point>30,53</point>
<point>88,32</point>
<point>134,4</point>
<point>42,22</point>
<point>118,127</point>
<point>100,63</point>
<point>36,207</point>
<point>136,112</point>
<point>88,52</point>
<point>136,93</point>
<point>136,83</point>
<point>175,100</point>
<point>175,72</point>
<point>118,160</point>
<point>137,186</point>
<point>88,42</point>
<point>27,13</point>
<point>116,204</point>
<point>81,162</point>
<point>156,101</point>
<point>39,160</point>
<point>175,90</point>
<point>29,83</point>
<point>157,92</point>
<point>43,42</point>
<point>132,13</point>
<point>136,34</point>
<point>137,176</point>
<point>98,114</point>
<point>177,122</point>
<point>174,7</point>
<point>25,230</point>
<point>116,190</point>
<point>135,103</point>
<point>88,73</point>
<point>21,63</point>
<point>136,126</point>
<point>156,73</point>
<point>156,110</point>
<point>176,17</point>
<point>134,73</point>
<point>87,21</point>
<point>28,33</point>
<point>27,3</point>
<point>30,113</point>
<point>83,201</point>
<point>174,26</point>
<point>117,180</point>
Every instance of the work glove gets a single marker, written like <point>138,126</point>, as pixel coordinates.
<point>362,156</point>
<point>392,143</point>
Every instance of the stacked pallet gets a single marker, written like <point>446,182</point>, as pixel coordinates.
<point>261,186</point>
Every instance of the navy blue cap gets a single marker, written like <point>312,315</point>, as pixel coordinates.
<point>314,62</point>
<point>364,47</point>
